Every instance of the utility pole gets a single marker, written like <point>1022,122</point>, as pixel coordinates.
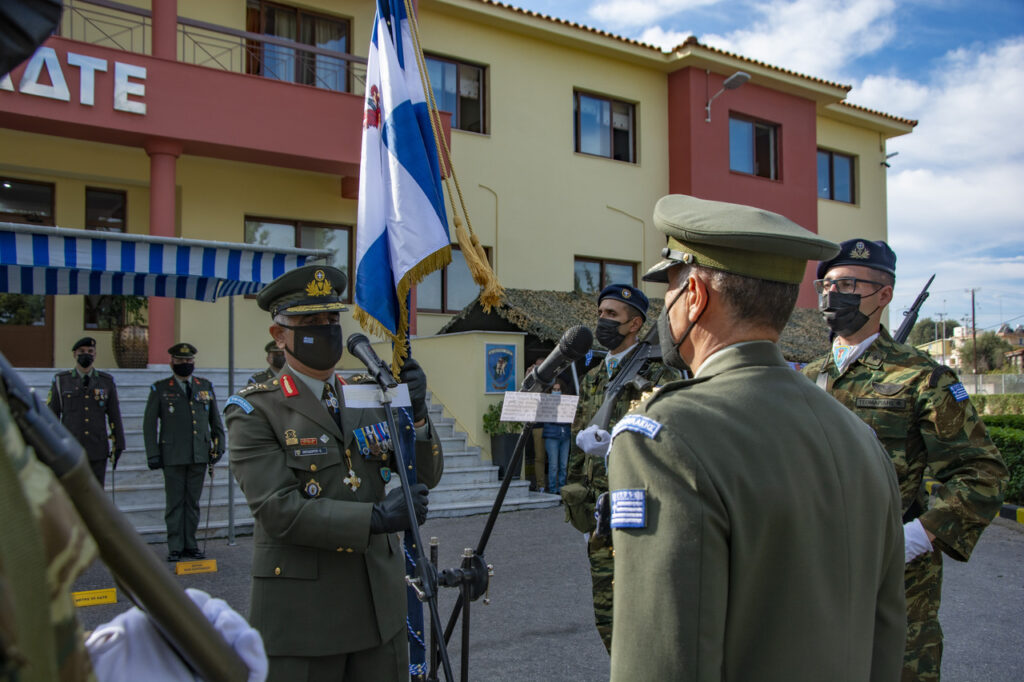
<point>974,337</point>
<point>942,340</point>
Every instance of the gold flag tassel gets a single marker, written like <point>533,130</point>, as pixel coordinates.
<point>476,258</point>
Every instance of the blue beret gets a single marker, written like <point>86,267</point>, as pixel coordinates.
<point>869,254</point>
<point>627,294</point>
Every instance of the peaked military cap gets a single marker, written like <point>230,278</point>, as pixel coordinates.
<point>304,291</point>
<point>740,239</point>
<point>182,350</point>
<point>84,341</point>
<point>859,251</point>
<point>631,296</point>
<point>271,347</point>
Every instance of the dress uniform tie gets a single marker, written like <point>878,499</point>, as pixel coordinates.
<point>188,390</point>
<point>331,403</point>
<point>85,381</point>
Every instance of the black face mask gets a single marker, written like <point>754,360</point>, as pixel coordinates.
<point>841,312</point>
<point>277,360</point>
<point>183,370</point>
<point>608,333</point>
<point>669,348</point>
<point>317,346</point>
<point>83,360</point>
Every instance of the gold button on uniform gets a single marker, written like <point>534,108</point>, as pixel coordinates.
<point>312,467</point>
<point>277,571</point>
<point>342,549</point>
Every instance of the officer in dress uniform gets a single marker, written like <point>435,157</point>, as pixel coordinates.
<point>328,590</point>
<point>85,401</point>
<point>621,314</point>
<point>275,361</point>
<point>924,418</point>
<point>184,436</point>
<point>756,526</point>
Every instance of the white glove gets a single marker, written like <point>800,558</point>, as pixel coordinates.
<point>915,540</point>
<point>130,648</point>
<point>594,441</point>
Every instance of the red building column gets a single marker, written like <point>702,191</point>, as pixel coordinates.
<point>165,29</point>
<point>163,158</point>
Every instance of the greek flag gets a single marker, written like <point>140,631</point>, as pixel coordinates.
<point>402,233</point>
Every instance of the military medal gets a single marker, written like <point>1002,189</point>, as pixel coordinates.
<point>170,409</point>
<point>312,488</point>
<point>352,481</point>
<point>290,437</point>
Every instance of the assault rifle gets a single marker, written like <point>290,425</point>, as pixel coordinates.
<point>910,317</point>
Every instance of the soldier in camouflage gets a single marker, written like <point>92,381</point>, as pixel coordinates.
<point>925,420</point>
<point>621,311</point>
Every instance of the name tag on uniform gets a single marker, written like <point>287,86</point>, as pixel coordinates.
<point>629,508</point>
<point>887,403</point>
<point>639,424</point>
<point>309,452</point>
<point>959,392</point>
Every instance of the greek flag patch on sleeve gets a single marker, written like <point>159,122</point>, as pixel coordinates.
<point>629,508</point>
<point>639,423</point>
<point>959,392</point>
<point>241,402</point>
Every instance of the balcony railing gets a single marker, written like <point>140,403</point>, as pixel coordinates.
<point>123,27</point>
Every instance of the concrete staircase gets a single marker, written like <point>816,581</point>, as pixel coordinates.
<point>468,486</point>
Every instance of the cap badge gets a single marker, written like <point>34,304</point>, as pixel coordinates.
<point>860,252</point>
<point>626,293</point>
<point>318,286</point>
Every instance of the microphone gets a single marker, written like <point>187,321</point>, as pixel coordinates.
<point>574,344</point>
<point>359,346</point>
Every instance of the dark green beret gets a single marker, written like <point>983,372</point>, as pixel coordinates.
<point>271,347</point>
<point>740,239</point>
<point>182,350</point>
<point>864,252</point>
<point>84,341</point>
<point>304,291</point>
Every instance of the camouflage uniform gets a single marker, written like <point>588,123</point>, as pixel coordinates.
<point>922,415</point>
<point>587,478</point>
<point>44,547</point>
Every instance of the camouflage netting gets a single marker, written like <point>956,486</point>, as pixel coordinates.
<point>547,314</point>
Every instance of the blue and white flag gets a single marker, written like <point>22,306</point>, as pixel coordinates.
<point>402,231</point>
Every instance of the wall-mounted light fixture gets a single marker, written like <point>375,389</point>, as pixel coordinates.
<point>731,83</point>
<point>885,162</point>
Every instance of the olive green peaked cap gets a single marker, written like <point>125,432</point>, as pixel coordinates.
<point>304,291</point>
<point>740,239</point>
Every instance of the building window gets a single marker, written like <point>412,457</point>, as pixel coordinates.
<point>296,65</point>
<point>449,290</point>
<point>754,147</point>
<point>458,89</point>
<point>24,201</point>
<point>305,235</point>
<point>106,211</point>
<point>835,176</point>
<point>591,275</point>
<point>604,127</point>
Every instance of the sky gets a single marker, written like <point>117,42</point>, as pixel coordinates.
<point>956,185</point>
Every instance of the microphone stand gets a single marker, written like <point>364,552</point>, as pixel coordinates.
<point>474,574</point>
<point>425,582</point>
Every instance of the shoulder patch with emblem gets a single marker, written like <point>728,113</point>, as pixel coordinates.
<point>637,423</point>
<point>959,392</point>
<point>629,508</point>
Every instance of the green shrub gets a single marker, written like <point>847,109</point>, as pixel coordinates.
<point>1010,421</point>
<point>493,426</point>
<point>1005,403</point>
<point>1010,442</point>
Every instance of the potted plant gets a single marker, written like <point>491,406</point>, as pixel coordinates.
<point>503,438</point>
<point>131,335</point>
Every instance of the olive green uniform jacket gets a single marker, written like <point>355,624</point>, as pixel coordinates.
<point>179,431</point>
<point>772,546</point>
<point>86,411</point>
<point>322,584</point>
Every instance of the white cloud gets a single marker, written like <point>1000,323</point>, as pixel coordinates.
<point>659,37</point>
<point>620,14</point>
<point>815,37</point>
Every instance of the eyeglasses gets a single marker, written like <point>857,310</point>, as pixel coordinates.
<point>844,285</point>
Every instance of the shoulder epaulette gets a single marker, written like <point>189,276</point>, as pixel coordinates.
<point>63,373</point>
<point>249,389</point>
<point>937,373</point>
<point>105,374</point>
